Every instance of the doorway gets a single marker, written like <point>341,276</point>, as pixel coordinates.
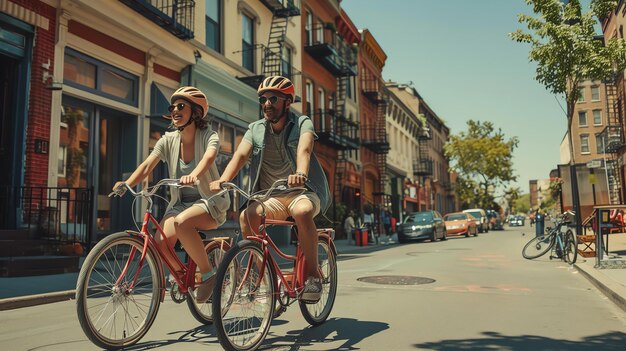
<point>98,147</point>
<point>8,130</point>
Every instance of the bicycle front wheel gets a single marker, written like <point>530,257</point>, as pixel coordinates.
<point>317,313</point>
<point>571,247</point>
<point>243,298</point>
<point>117,295</point>
<point>538,246</point>
<point>203,312</point>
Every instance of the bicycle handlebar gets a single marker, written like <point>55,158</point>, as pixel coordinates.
<point>148,192</point>
<point>280,184</point>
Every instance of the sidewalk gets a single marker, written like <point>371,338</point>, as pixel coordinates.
<point>611,282</point>
<point>20,292</point>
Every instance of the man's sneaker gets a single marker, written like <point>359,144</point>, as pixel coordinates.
<point>312,290</point>
<point>205,290</point>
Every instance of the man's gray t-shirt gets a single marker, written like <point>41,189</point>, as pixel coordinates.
<point>275,160</point>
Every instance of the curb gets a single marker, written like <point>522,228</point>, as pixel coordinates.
<point>34,300</point>
<point>609,288</point>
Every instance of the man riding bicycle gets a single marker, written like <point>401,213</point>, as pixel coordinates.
<point>281,146</point>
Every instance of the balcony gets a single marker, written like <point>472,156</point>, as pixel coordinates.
<point>371,87</point>
<point>613,138</point>
<point>283,8</point>
<point>375,139</point>
<point>332,52</point>
<point>423,167</point>
<point>335,130</point>
<point>175,16</point>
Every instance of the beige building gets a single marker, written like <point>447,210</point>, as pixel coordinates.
<point>405,126</point>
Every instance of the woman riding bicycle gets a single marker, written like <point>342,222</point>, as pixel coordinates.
<point>189,152</point>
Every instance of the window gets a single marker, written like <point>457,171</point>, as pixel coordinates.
<point>599,144</point>
<point>286,63</point>
<point>595,93</point>
<point>321,103</point>
<point>582,118</point>
<point>584,143</point>
<point>247,43</point>
<point>94,76</point>
<point>597,117</point>
<point>62,161</point>
<point>309,98</point>
<point>319,32</point>
<point>308,29</point>
<point>213,24</point>
<point>581,95</point>
<point>349,87</point>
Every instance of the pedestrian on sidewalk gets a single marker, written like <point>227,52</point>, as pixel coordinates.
<point>386,219</point>
<point>349,226</point>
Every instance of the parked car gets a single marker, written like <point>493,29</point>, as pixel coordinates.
<point>482,222</point>
<point>515,221</point>
<point>460,223</point>
<point>422,225</point>
<point>495,221</point>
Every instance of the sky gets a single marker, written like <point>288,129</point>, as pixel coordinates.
<point>461,60</point>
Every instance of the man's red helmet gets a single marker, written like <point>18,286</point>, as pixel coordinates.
<point>279,84</point>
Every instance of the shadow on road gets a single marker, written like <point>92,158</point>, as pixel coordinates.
<point>334,330</point>
<point>204,335</point>
<point>496,341</point>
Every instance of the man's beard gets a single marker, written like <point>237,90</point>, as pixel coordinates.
<point>275,119</point>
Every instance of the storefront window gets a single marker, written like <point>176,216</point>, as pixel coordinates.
<point>117,85</point>
<point>74,146</point>
<point>79,71</point>
<point>94,76</point>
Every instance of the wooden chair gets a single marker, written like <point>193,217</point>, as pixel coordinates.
<point>587,242</point>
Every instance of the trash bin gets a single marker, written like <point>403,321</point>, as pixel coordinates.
<point>539,224</point>
<point>360,237</point>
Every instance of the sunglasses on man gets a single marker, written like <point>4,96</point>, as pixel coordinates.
<point>271,99</point>
<point>179,106</point>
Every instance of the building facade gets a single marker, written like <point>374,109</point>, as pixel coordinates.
<point>405,126</point>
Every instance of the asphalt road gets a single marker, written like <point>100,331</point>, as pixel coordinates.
<point>480,294</point>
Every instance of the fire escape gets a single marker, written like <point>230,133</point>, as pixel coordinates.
<point>273,63</point>
<point>333,126</point>
<point>374,136</point>
<point>613,138</point>
<point>423,164</point>
<point>175,16</point>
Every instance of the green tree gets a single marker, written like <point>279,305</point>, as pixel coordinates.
<point>522,204</point>
<point>564,46</point>
<point>483,158</point>
<point>511,195</point>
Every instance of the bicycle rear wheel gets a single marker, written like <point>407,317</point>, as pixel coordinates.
<point>538,246</point>
<point>571,247</point>
<point>112,313</point>
<point>203,312</point>
<point>243,298</point>
<point>317,313</point>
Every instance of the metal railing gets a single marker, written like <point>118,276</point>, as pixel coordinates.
<point>58,214</point>
<point>175,16</point>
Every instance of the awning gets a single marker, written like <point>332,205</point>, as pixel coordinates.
<point>159,100</point>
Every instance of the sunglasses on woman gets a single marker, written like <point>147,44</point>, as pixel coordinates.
<point>271,99</point>
<point>179,106</point>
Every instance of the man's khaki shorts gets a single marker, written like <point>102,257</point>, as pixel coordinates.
<point>281,207</point>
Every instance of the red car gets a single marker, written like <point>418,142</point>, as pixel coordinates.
<point>460,223</point>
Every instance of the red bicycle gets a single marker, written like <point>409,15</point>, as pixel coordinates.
<point>251,288</point>
<point>122,281</point>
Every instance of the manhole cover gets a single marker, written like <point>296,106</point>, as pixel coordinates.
<point>396,280</point>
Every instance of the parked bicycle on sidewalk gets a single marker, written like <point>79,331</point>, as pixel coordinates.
<point>122,281</point>
<point>251,288</point>
<point>560,239</point>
